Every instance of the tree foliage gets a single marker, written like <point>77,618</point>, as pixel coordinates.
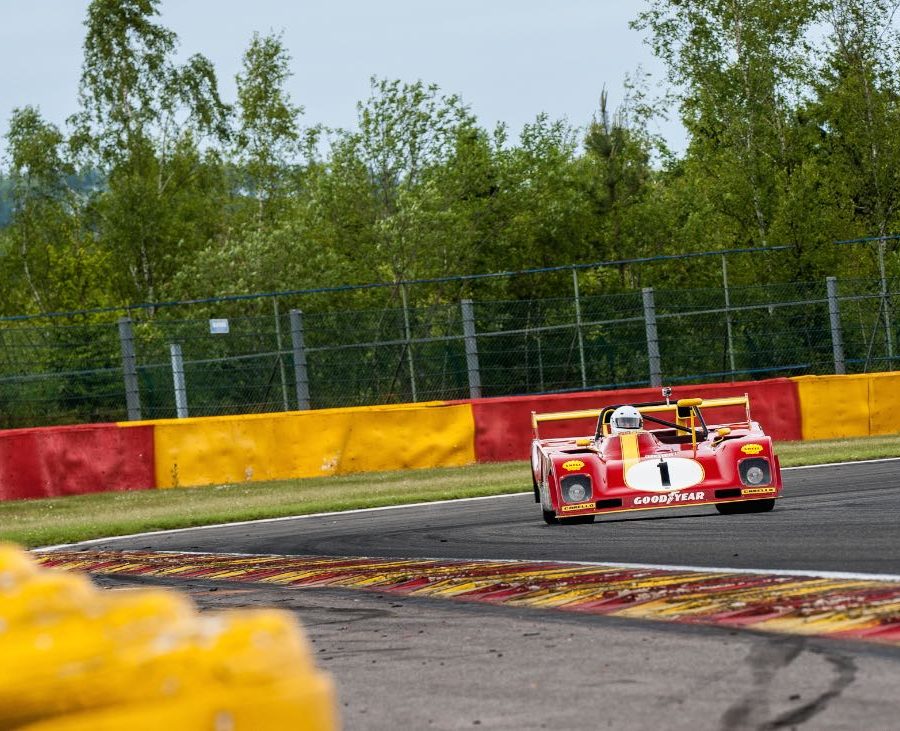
<point>160,189</point>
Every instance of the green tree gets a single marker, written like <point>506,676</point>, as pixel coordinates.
<point>857,110</point>
<point>149,124</point>
<point>740,67</point>
<point>625,185</point>
<point>268,137</point>
<point>406,131</point>
<point>50,262</point>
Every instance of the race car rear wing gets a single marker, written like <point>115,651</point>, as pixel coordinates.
<point>680,408</point>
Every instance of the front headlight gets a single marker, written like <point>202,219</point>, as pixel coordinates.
<point>576,488</point>
<point>755,471</point>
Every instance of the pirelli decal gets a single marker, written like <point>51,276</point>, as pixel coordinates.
<point>758,491</point>
<point>577,506</point>
<point>752,448</point>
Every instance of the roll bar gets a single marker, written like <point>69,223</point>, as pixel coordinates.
<point>681,408</point>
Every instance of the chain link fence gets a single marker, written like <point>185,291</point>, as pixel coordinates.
<point>269,353</point>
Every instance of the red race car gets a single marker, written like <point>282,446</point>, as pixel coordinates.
<point>656,455</point>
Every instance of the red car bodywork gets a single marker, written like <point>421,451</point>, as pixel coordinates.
<point>677,460</point>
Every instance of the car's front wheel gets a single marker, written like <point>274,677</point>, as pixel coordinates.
<point>578,520</point>
<point>743,508</point>
<point>550,518</point>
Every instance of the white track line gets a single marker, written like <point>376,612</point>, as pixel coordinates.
<point>841,464</point>
<point>852,576</point>
<point>275,520</point>
<point>93,541</point>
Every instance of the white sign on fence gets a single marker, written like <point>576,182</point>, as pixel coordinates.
<point>218,326</point>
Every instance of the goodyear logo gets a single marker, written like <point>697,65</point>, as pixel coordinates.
<point>577,506</point>
<point>668,498</point>
<point>757,490</point>
<point>752,448</point>
<point>573,464</point>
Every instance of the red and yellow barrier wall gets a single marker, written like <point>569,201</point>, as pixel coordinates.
<point>311,443</point>
<point>59,461</point>
<point>71,460</point>
<point>833,407</point>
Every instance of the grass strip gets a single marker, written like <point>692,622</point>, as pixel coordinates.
<point>79,517</point>
<point>65,520</point>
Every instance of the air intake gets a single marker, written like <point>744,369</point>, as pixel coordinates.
<point>730,492</point>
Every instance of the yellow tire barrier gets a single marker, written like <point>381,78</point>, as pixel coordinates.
<point>278,707</point>
<point>75,657</point>
<point>236,449</point>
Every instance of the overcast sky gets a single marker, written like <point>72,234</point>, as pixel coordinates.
<point>508,59</point>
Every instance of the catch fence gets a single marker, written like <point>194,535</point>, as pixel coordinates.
<point>263,354</point>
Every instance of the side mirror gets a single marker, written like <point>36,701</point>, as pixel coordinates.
<point>721,433</point>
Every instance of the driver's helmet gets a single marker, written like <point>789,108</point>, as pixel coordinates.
<point>626,418</point>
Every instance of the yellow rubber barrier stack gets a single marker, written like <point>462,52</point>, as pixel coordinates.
<point>76,658</point>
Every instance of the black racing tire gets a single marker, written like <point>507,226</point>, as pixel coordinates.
<point>534,486</point>
<point>746,507</point>
<point>550,518</point>
<point>578,520</point>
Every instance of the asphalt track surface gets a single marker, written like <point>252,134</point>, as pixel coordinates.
<point>405,663</point>
<point>435,664</point>
<point>842,518</point>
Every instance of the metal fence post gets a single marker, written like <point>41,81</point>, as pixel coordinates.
<point>578,328</point>
<point>652,338</point>
<point>728,315</point>
<point>468,318</point>
<point>409,353</point>
<point>886,304</point>
<point>284,393</point>
<point>540,362</point>
<point>837,339</point>
<point>301,374</point>
<point>181,405</point>
<point>129,369</point>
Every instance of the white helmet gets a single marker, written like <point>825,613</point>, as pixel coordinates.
<point>626,418</point>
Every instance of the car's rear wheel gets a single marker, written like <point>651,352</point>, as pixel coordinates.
<point>749,506</point>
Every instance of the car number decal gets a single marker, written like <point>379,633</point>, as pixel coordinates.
<point>666,474</point>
